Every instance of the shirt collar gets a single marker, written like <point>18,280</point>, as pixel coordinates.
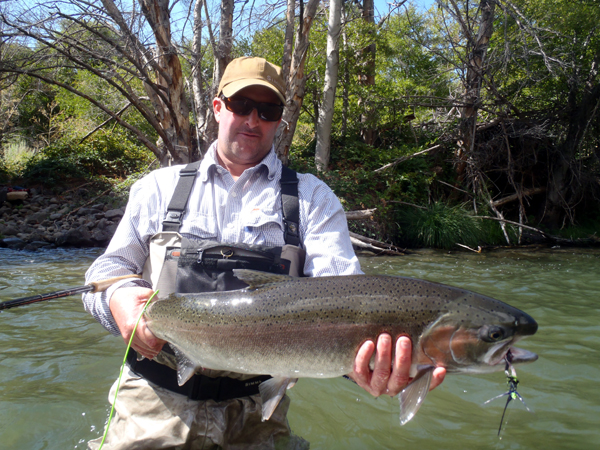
<point>271,162</point>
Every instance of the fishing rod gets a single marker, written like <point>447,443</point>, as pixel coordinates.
<point>93,287</point>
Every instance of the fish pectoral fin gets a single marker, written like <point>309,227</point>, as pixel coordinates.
<point>185,367</point>
<point>256,278</point>
<point>271,393</point>
<point>413,395</point>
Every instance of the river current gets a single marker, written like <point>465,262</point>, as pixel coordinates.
<point>57,363</point>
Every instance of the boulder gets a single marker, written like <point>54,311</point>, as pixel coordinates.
<point>114,214</point>
<point>36,245</point>
<point>14,243</point>
<point>78,237</point>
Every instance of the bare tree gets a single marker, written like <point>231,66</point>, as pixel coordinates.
<point>476,50</point>
<point>133,55</point>
<point>325,117</point>
<point>367,72</point>
<point>296,81</point>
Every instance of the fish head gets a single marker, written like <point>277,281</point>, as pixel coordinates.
<point>474,334</point>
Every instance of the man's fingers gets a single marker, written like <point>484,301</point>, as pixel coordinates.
<point>383,365</point>
<point>401,369</point>
<point>145,342</point>
<point>388,377</point>
<point>438,376</point>
<point>362,372</point>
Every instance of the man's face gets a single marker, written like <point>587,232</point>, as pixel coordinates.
<point>244,140</point>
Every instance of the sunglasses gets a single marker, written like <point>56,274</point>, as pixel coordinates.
<point>242,106</point>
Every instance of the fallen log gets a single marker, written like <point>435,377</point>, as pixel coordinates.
<point>363,214</point>
<point>513,197</point>
<point>378,247</point>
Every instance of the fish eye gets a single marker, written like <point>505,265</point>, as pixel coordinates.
<point>493,334</point>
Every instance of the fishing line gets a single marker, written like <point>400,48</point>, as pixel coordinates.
<point>512,394</point>
<point>112,409</point>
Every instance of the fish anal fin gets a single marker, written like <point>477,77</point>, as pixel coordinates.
<point>185,367</point>
<point>256,278</point>
<point>271,393</point>
<point>413,395</point>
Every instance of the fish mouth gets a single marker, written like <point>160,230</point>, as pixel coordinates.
<point>519,355</point>
<point>514,355</point>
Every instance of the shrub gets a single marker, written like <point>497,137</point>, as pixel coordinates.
<point>438,226</point>
<point>107,155</point>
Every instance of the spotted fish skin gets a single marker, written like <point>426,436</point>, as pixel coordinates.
<point>313,327</point>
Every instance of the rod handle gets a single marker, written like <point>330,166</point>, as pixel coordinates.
<point>101,286</point>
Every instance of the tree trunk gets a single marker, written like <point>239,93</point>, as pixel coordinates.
<point>172,111</point>
<point>296,83</point>
<point>322,152</point>
<point>367,76</point>
<point>346,78</point>
<point>223,55</point>
<point>288,45</point>
<point>473,81</point>
<point>203,111</point>
<point>222,52</point>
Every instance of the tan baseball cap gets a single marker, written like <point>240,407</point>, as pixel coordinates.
<point>251,71</point>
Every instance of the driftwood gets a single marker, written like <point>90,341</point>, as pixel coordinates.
<point>406,158</point>
<point>513,197</point>
<point>378,247</point>
<point>360,214</point>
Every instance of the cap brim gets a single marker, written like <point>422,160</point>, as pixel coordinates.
<point>234,87</point>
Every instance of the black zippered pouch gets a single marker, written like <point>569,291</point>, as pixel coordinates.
<point>208,265</point>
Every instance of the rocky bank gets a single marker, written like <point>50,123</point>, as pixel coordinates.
<point>42,221</point>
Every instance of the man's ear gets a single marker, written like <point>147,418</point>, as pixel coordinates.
<point>217,108</point>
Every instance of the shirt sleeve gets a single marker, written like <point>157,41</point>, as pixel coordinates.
<point>127,252</point>
<point>324,231</point>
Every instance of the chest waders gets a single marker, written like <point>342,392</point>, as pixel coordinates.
<point>179,264</point>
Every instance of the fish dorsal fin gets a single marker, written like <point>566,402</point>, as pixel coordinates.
<point>271,393</point>
<point>185,367</point>
<point>256,278</point>
<point>413,395</point>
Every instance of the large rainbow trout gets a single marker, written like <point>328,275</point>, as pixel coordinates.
<point>290,328</point>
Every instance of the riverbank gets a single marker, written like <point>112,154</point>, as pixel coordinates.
<point>80,218</point>
<point>48,221</point>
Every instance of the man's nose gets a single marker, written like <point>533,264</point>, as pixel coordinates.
<point>252,119</point>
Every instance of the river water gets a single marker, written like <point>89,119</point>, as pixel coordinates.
<point>57,363</point>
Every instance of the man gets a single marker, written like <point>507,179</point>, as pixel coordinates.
<point>235,199</point>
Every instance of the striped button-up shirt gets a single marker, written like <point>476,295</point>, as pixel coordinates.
<point>247,210</point>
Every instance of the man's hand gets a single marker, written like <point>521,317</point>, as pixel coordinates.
<point>126,304</point>
<point>386,378</point>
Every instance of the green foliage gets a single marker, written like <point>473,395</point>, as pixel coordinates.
<point>51,170</point>
<point>104,155</point>
<point>78,115</point>
<point>438,226</point>
<point>354,181</point>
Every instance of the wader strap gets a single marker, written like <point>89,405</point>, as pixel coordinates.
<point>290,206</point>
<point>289,202</point>
<point>180,197</point>
<point>199,387</point>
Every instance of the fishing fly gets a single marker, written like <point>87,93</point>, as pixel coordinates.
<point>512,394</point>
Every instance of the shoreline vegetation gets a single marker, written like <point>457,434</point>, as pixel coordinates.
<point>67,201</point>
